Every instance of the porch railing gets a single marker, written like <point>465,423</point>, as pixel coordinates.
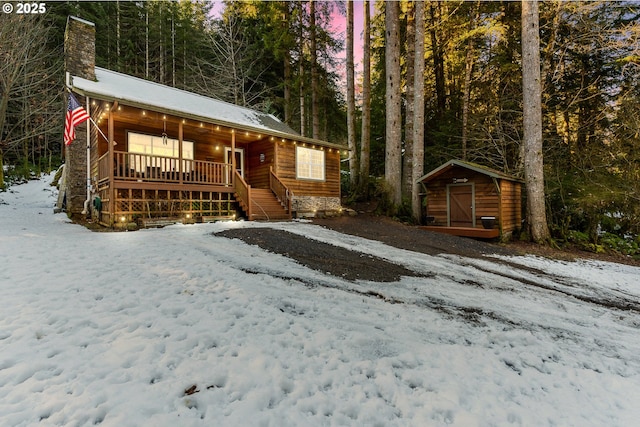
<point>243,193</point>
<point>284,195</point>
<point>150,168</point>
<point>103,168</point>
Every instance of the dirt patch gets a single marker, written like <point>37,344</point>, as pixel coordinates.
<point>400,235</point>
<point>403,236</point>
<point>321,256</point>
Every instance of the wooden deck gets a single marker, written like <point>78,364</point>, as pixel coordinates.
<point>196,191</point>
<point>479,233</point>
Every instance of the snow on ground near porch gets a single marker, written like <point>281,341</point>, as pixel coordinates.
<point>111,328</point>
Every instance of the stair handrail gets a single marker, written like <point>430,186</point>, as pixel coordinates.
<point>243,191</point>
<point>282,192</point>
<point>262,209</point>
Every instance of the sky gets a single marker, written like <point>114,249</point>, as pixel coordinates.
<point>339,26</point>
<point>181,326</point>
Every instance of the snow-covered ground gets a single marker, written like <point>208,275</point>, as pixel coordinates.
<point>112,328</point>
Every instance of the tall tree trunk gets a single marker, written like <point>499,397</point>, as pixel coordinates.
<point>438,61</point>
<point>351,102</point>
<point>161,47</point>
<point>287,68</point>
<point>365,136</point>
<point>173,49</point>
<point>393,157</point>
<point>301,77</point>
<point>287,88</point>
<point>146,44</point>
<point>407,158</point>
<point>532,123</point>
<point>315,104</point>
<point>418,112</point>
<point>118,61</point>
<point>468,68</point>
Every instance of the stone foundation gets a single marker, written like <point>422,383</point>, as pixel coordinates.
<point>313,206</point>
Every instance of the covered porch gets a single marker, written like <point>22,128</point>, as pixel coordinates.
<point>167,167</point>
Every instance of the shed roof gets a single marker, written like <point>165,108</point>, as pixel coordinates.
<point>467,165</point>
<point>129,90</point>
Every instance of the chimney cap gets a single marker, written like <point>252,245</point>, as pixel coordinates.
<point>84,21</point>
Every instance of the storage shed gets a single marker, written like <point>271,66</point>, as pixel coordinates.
<point>467,199</point>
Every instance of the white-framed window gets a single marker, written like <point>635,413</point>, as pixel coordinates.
<point>152,145</point>
<point>309,163</point>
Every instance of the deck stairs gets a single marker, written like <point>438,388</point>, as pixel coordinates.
<point>264,206</point>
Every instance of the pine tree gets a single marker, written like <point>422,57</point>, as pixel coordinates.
<point>393,138</point>
<point>532,123</point>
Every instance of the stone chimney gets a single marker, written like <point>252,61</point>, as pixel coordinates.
<point>79,61</point>
<point>80,48</point>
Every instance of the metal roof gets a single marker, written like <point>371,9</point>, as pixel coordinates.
<point>129,90</point>
<point>467,165</point>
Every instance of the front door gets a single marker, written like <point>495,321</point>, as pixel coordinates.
<point>239,159</point>
<point>461,212</point>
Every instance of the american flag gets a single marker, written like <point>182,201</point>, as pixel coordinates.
<point>75,115</point>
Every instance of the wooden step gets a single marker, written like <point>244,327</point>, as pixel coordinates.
<point>265,206</point>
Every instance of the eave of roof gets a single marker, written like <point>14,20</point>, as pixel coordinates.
<point>467,165</point>
<point>129,90</point>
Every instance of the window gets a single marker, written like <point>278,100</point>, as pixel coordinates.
<point>159,146</point>
<point>309,163</point>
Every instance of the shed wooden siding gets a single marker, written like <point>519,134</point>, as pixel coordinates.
<point>286,171</point>
<point>511,205</point>
<point>487,202</point>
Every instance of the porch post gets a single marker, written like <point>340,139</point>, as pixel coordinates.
<point>180,129</point>
<point>233,157</point>
<point>88,104</point>
<point>275,157</point>
<point>112,191</point>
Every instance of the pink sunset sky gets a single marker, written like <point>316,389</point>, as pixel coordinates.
<point>339,27</point>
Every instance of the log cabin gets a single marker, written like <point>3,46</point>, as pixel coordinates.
<point>154,154</point>
<point>467,199</point>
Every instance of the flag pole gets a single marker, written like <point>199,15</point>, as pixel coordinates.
<point>100,131</point>
<point>91,118</point>
<point>85,209</point>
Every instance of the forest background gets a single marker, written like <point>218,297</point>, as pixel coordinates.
<point>284,58</point>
